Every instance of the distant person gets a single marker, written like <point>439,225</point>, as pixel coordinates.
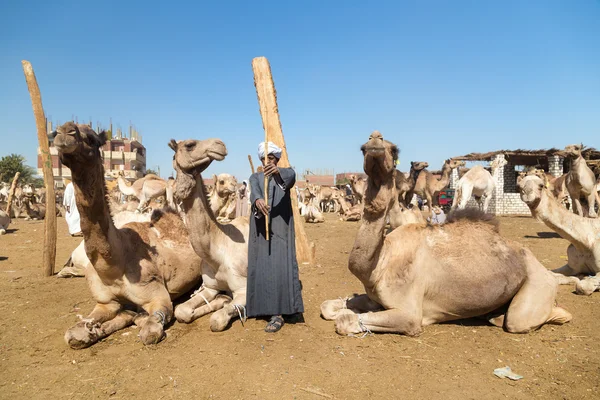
<point>71,215</point>
<point>437,216</point>
<point>242,200</point>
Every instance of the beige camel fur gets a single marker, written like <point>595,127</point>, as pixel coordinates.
<point>308,206</point>
<point>583,234</point>
<point>224,247</point>
<point>144,265</point>
<point>33,210</point>
<point>359,185</point>
<point>406,185</point>
<point>145,189</point>
<point>222,196</point>
<point>479,183</point>
<point>420,275</point>
<point>580,181</point>
<point>348,212</point>
<point>401,215</point>
<point>556,185</point>
<point>6,212</point>
<point>428,185</point>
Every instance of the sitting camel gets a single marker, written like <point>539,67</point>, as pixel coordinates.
<point>145,189</point>
<point>222,196</point>
<point>580,181</point>
<point>359,185</point>
<point>479,183</point>
<point>401,215</point>
<point>583,233</point>
<point>420,275</point>
<point>33,210</point>
<point>407,185</point>
<point>224,247</point>
<point>348,212</point>
<point>145,265</point>
<point>427,185</point>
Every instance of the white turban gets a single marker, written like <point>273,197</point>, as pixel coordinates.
<point>273,149</point>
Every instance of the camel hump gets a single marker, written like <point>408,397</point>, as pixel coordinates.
<point>152,176</point>
<point>473,215</point>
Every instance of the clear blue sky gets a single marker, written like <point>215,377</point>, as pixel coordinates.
<point>438,78</point>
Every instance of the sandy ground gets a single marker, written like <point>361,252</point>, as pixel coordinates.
<point>303,361</point>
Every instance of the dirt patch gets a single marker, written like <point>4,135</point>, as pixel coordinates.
<point>303,361</point>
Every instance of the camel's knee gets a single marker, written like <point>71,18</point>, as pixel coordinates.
<point>513,326</point>
<point>559,316</point>
<point>152,332</point>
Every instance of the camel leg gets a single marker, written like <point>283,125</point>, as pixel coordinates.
<point>591,200</point>
<point>89,330</point>
<point>533,305</point>
<point>565,275</point>
<point>236,307</point>
<point>395,320</point>
<point>330,309</point>
<point>203,302</point>
<point>160,312</point>
<point>486,203</point>
<point>588,285</point>
<point>577,205</point>
<point>143,202</point>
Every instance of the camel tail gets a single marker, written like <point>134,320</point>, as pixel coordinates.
<point>473,215</point>
<point>124,188</point>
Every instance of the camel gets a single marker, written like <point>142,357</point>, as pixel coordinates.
<point>324,196</point>
<point>401,215</point>
<point>223,247</point>
<point>33,210</point>
<point>428,185</point>
<point>144,265</point>
<point>580,181</point>
<point>222,196</point>
<point>145,189</point>
<point>307,207</point>
<point>479,183</point>
<point>583,233</point>
<point>407,185</point>
<point>359,185</point>
<point>420,275</point>
<point>556,185</point>
<point>348,212</point>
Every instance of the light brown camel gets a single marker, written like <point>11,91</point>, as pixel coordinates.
<point>6,212</point>
<point>428,185</point>
<point>359,185</point>
<point>420,275</point>
<point>580,181</point>
<point>33,210</point>
<point>145,189</point>
<point>479,183</point>
<point>224,247</point>
<point>401,215</point>
<point>556,185</point>
<point>221,197</point>
<point>144,265</point>
<point>583,233</point>
<point>348,212</point>
<point>406,185</point>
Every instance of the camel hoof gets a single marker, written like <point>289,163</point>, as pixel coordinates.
<point>152,333</point>
<point>81,336</point>
<point>218,321</point>
<point>184,313</point>
<point>330,309</point>
<point>585,287</point>
<point>347,324</point>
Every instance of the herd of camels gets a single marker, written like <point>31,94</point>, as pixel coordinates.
<point>139,257</point>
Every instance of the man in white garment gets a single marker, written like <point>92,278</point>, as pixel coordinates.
<point>72,215</point>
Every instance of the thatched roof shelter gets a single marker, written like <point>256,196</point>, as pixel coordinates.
<point>527,157</point>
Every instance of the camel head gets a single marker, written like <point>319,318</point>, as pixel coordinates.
<point>418,165</point>
<point>225,184</point>
<point>454,163</point>
<point>78,143</point>
<point>531,187</point>
<point>191,158</point>
<point>379,157</point>
<point>498,163</point>
<point>574,150</point>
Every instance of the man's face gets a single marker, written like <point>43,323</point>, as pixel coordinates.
<point>271,159</point>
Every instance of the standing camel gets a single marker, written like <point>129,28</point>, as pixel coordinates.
<point>359,185</point>
<point>145,189</point>
<point>407,185</point>
<point>145,265</point>
<point>479,183</point>
<point>224,247</point>
<point>420,275</point>
<point>580,181</point>
<point>428,185</point>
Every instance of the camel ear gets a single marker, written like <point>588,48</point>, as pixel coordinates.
<point>395,153</point>
<point>102,137</point>
<point>412,163</point>
<point>173,145</point>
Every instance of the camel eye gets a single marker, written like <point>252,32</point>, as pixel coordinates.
<point>221,182</point>
<point>190,146</point>
<point>541,186</point>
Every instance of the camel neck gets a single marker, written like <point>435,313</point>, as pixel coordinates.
<point>413,175</point>
<point>369,239</point>
<point>200,220</point>
<point>580,232</point>
<point>95,219</point>
<point>445,179</point>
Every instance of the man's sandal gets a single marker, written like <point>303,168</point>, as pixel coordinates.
<point>274,324</point>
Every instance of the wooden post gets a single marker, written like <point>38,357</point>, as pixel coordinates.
<point>11,193</point>
<point>49,254</point>
<point>251,163</point>
<point>267,100</point>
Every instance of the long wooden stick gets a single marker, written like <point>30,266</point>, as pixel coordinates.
<point>49,253</point>
<point>266,183</point>
<point>251,163</point>
<point>11,193</point>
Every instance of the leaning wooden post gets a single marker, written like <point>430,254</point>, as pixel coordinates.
<point>267,100</point>
<point>11,193</point>
<point>49,254</point>
<point>251,163</point>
